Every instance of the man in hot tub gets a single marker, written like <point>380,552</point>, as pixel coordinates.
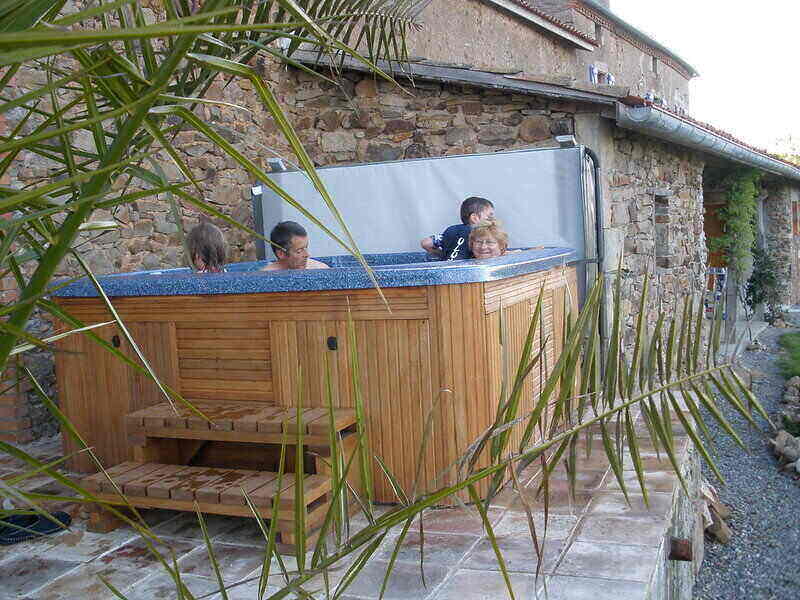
<point>290,245</point>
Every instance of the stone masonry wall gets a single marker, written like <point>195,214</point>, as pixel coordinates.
<point>487,37</point>
<point>654,216</point>
<point>780,235</point>
<point>795,200</point>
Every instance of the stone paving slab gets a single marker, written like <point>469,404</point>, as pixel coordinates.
<point>598,547</point>
<point>612,561</point>
<point>467,584</point>
<point>591,588</point>
<point>21,575</point>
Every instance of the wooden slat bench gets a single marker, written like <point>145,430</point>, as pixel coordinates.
<point>216,491</point>
<point>236,422</point>
<point>161,476</point>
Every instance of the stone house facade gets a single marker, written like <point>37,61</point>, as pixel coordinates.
<point>489,75</point>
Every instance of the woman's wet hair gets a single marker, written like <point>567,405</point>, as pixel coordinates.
<point>206,242</point>
<point>490,229</point>
<point>282,234</point>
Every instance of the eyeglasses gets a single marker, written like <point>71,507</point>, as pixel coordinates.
<point>485,242</point>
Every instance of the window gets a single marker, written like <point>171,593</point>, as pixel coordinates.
<point>598,33</point>
<point>655,65</point>
<point>600,75</point>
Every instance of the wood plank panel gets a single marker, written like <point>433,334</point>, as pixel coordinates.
<point>186,364</point>
<point>208,353</point>
<point>207,350</point>
<point>97,389</point>
<point>334,305</point>
<point>157,343</point>
<point>387,367</point>
<point>519,289</point>
<point>457,310</point>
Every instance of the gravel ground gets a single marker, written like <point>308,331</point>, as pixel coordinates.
<point>762,561</point>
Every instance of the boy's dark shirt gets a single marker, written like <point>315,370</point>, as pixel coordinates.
<point>454,242</point>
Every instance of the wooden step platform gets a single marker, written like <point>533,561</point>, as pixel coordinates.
<point>236,422</point>
<point>216,491</point>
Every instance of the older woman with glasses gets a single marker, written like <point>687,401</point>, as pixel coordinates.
<point>487,240</point>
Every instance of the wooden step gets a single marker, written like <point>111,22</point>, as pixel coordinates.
<point>215,491</point>
<point>236,422</point>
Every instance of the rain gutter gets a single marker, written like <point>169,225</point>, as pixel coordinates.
<point>665,126</point>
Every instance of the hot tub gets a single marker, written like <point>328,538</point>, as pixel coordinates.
<point>263,337</point>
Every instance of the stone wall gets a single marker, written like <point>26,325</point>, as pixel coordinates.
<point>489,38</point>
<point>780,235</point>
<point>654,217</point>
<point>485,36</point>
<point>795,199</point>
<point>365,121</point>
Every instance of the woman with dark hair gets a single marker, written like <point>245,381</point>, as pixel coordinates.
<point>207,249</point>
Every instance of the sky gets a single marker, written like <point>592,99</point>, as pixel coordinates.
<point>746,53</point>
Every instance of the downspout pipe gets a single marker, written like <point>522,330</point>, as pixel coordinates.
<point>600,250</point>
<point>666,126</point>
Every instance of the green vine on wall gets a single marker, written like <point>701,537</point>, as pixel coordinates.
<point>739,218</point>
<point>762,287</point>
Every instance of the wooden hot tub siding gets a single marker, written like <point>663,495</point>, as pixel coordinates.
<point>257,347</point>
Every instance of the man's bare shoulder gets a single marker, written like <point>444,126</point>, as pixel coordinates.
<point>273,266</point>
<point>315,264</point>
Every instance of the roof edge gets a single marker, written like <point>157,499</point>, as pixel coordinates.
<point>525,10</point>
<point>463,75</point>
<point>591,5</point>
<point>665,125</point>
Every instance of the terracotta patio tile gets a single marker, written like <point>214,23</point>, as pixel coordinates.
<point>518,553</point>
<point>614,504</point>
<point>80,545</point>
<point>466,584</point>
<point>186,526</point>
<point>561,500</point>
<point>245,591</point>
<point>656,481</point>
<point>439,548</point>
<point>623,530</point>
<point>585,479</point>
<point>22,574</point>
<point>157,516</point>
<point>245,533</point>
<point>588,588</point>
<point>235,562</point>
<point>650,462</point>
<point>612,561</point>
<point>405,582</point>
<point>457,520</point>
<point>136,554</point>
<point>85,583</point>
<point>162,587</point>
<point>516,521</point>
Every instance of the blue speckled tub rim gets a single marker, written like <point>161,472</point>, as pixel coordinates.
<point>241,280</point>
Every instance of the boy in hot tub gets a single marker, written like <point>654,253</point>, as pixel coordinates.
<point>453,243</point>
<point>290,245</point>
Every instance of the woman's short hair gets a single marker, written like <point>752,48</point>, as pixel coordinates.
<point>490,229</point>
<point>205,241</point>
